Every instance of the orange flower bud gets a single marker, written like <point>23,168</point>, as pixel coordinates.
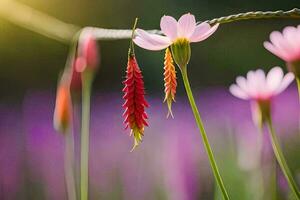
<point>170,81</point>
<point>63,108</point>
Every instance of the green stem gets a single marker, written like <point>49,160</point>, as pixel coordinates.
<point>203,134</point>
<point>69,166</point>
<point>281,160</point>
<point>298,85</point>
<point>84,158</point>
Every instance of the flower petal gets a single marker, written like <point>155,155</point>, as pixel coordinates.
<point>203,31</point>
<point>168,26</point>
<point>242,83</point>
<point>260,83</point>
<point>286,81</point>
<point>277,52</point>
<point>186,25</point>
<point>238,92</point>
<point>146,45</point>
<point>274,78</point>
<point>281,44</point>
<point>251,83</point>
<point>290,36</point>
<point>151,41</point>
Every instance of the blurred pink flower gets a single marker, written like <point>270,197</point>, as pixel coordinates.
<point>258,86</point>
<point>88,52</point>
<point>185,28</point>
<point>285,45</point>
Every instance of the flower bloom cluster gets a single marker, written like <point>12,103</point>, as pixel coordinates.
<point>135,103</point>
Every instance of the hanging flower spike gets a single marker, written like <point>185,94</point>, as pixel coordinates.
<point>63,108</point>
<point>134,96</point>
<point>170,81</point>
<point>286,45</point>
<point>178,35</point>
<point>260,89</point>
<point>135,103</point>
<point>88,52</point>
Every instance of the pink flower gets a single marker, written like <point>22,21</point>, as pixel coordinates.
<point>258,86</point>
<point>285,45</point>
<point>185,28</point>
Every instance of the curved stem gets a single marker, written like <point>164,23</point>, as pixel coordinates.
<point>84,157</point>
<point>200,125</point>
<point>281,160</point>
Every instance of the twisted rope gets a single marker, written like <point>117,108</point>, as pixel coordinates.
<point>294,13</point>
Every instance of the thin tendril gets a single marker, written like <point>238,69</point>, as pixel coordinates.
<point>131,49</point>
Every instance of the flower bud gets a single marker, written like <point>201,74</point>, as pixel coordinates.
<point>181,51</point>
<point>63,108</point>
<point>88,51</point>
<point>170,81</point>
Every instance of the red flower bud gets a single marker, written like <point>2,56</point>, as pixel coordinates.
<point>135,103</point>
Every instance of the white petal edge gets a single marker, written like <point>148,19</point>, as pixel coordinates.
<point>200,30</point>
<point>151,41</point>
<point>242,83</point>
<point>168,26</point>
<point>251,82</point>
<point>238,92</point>
<point>186,25</point>
<point>286,81</point>
<point>274,50</point>
<point>198,37</point>
<point>274,78</point>
<point>146,45</point>
<point>281,44</point>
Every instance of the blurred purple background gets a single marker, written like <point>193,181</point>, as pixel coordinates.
<point>169,164</point>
